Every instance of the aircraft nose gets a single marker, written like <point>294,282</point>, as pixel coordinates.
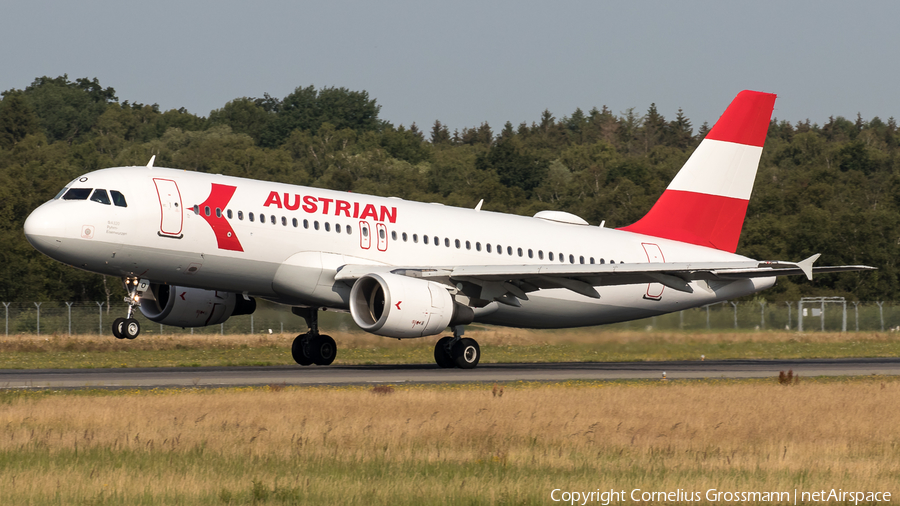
<point>44,228</point>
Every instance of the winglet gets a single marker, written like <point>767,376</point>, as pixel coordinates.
<point>150,163</point>
<point>807,265</point>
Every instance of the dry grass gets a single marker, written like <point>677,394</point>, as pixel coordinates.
<point>501,345</point>
<point>488,336</point>
<point>449,445</point>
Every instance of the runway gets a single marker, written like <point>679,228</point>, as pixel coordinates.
<point>430,373</point>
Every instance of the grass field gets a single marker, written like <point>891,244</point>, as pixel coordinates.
<point>24,351</point>
<point>446,444</point>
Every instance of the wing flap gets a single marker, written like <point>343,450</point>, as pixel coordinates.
<point>508,284</point>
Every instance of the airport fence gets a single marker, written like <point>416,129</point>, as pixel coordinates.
<point>810,315</point>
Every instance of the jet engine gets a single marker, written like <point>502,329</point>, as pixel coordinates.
<point>399,306</point>
<point>192,307</point>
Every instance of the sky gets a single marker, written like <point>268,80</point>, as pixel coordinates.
<point>466,62</point>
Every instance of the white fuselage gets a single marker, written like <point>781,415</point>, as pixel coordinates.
<point>307,234</point>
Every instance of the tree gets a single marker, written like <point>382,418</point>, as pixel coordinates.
<point>308,109</point>
<point>68,110</point>
<point>244,116</point>
<point>439,134</point>
<point>17,119</point>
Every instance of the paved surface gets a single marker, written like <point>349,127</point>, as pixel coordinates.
<point>429,373</point>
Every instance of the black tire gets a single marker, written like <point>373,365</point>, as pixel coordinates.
<point>466,353</point>
<point>297,351</point>
<point>131,328</point>
<point>442,356</point>
<point>117,327</point>
<point>323,350</point>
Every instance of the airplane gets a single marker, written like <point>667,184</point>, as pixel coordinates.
<point>194,249</point>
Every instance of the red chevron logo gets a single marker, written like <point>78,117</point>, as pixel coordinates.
<point>213,211</point>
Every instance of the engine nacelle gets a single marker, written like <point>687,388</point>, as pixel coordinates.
<point>192,307</point>
<point>399,306</point>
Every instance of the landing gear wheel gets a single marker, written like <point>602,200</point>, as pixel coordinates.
<point>442,356</point>
<point>322,350</point>
<point>117,327</point>
<point>466,353</point>
<point>131,328</point>
<point>298,353</point>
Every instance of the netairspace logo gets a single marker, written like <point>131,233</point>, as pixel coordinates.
<point>611,496</point>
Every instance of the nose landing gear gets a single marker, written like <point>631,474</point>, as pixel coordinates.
<point>128,327</point>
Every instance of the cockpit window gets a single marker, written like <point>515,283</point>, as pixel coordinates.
<point>100,196</point>
<point>77,194</point>
<point>118,199</point>
<point>60,194</point>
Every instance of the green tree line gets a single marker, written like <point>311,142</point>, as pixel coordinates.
<point>832,189</point>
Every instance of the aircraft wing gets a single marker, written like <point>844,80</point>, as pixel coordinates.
<point>506,283</point>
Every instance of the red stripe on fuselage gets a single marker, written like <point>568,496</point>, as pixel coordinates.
<point>746,121</point>
<point>695,218</point>
<point>219,197</point>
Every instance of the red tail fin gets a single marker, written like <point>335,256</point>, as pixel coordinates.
<point>706,202</point>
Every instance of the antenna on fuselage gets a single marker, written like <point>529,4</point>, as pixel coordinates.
<point>150,163</point>
<point>478,207</point>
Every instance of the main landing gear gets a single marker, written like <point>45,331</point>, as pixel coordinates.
<point>457,351</point>
<point>128,327</point>
<point>312,347</point>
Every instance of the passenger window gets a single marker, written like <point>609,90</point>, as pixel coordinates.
<point>581,260</point>
<point>327,227</point>
<point>305,223</point>
<point>509,250</point>
<point>540,254</point>
<point>381,234</point>
<point>100,196</point>
<point>364,229</point>
<point>592,260</point>
<point>241,215</point>
<point>229,214</point>
<point>405,237</point>
<point>262,218</point>
<point>196,209</point>
<point>294,222</point>
<point>519,251</point>
<point>250,216</point>
<point>562,258</point>
<point>468,245</point>
<point>571,259</point>
<point>530,254</point>
<point>77,194</point>
<point>477,246</point>
<point>393,235</point>
<point>456,243</point>
<point>118,199</point>
<point>337,227</point>
<point>488,247</point>
<point>446,242</point>
<point>602,261</point>
<point>316,225</point>
<point>218,212</point>
<point>424,239</point>
<point>499,249</point>
<point>415,237</point>
<point>206,210</point>
<point>272,219</point>
<point>284,221</point>
<point>349,230</point>
<point>550,256</point>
